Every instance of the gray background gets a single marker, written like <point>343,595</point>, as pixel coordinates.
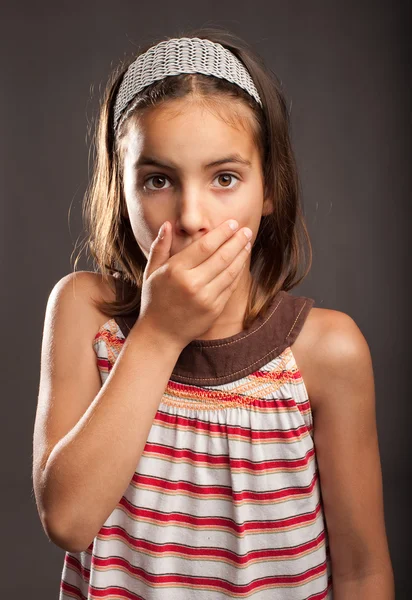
<point>345,68</point>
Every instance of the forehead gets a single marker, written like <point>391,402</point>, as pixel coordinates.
<point>178,125</point>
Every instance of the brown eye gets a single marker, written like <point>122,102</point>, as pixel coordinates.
<point>225,180</point>
<point>159,179</point>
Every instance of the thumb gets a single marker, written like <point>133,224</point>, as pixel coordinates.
<point>159,250</point>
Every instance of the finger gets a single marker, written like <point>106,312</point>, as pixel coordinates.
<point>159,250</point>
<point>228,279</point>
<point>201,250</point>
<point>222,260</point>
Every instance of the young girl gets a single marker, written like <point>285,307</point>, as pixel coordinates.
<point>200,431</point>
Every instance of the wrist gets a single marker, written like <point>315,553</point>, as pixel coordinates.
<point>156,336</point>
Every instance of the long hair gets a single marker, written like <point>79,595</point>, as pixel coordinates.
<point>279,250</point>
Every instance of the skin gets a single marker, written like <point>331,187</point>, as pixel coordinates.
<point>193,198</point>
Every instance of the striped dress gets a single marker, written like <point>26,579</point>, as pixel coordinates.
<point>225,501</point>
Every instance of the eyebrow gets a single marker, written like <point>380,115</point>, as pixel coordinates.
<point>153,161</point>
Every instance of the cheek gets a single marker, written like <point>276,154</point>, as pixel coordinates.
<point>143,227</point>
<point>142,221</point>
<point>249,204</point>
<point>144,216</point>
<point>249,210</point>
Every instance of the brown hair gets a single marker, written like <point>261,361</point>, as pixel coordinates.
<point>279,248</point>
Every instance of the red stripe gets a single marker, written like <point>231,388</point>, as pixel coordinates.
<point>204,552</point>
<point>212,460</point>
<point>183,519</point>
<point>164,485</point>
<point>226,431</point>
<point>174,579</point>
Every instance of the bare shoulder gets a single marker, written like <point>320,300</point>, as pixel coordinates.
<point>329,343</point>
<point>80,290</point>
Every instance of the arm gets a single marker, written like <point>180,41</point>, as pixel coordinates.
<point>378,586</point>
<point>88,437</point>
<point>347,452</point>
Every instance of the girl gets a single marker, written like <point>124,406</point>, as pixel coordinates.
<point>225,443</point>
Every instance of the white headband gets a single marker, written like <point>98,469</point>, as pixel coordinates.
<point>181,55</point>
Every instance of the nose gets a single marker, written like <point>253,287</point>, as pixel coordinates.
<point>193,213</point>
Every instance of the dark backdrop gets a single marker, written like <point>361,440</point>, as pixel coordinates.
<point>346,71</point>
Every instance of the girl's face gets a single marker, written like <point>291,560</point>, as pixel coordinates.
<point>168,175</point>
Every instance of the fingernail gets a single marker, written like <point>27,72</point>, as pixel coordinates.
<point>162,231</point>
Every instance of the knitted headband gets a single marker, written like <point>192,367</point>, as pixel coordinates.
<point>181,55</point>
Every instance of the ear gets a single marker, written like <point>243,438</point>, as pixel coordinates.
<point>267,208</point>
